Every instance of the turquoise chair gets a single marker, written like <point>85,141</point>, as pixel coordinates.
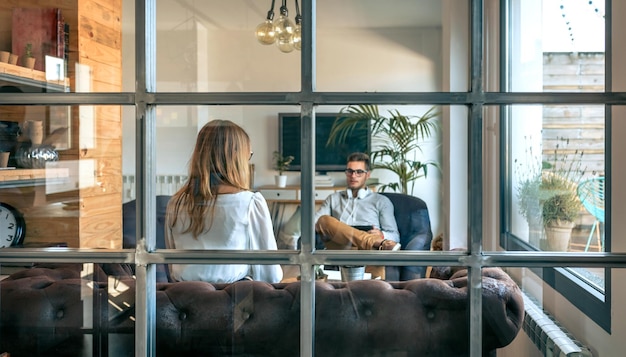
<point>591,195</point>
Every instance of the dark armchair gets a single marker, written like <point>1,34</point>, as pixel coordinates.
<point>129,226</point>
<point>413,221</point>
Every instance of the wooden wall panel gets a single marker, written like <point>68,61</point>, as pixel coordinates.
<point>101,231</point>
<point>95,220</point>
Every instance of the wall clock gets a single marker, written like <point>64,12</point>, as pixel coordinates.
<point>12,226</point>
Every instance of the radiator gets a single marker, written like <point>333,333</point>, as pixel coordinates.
<point>548,335</point>
<point>165,185</point>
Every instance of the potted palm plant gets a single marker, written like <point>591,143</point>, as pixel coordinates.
<point>396,141</point>
<point>281,164</point>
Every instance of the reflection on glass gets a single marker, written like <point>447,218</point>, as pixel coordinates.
<point>63,174</point>
<point>81,309</point>
<point>61,47</point>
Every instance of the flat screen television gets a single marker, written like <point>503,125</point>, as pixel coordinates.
<point>332,158</point>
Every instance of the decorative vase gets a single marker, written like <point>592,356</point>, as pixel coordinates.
<point>281,180</point>
<point>558,235</point>
<point>34,131</point>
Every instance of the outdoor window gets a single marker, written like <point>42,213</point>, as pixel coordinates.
<point>557,160</point>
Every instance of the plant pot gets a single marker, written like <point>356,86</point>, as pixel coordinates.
<point>29,62</point>
<point>4,56</point>
<point>13,59</point>
<point>558,235</point>
<point>281,180</point>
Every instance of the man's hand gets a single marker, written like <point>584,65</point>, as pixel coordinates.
<point>377,232</point>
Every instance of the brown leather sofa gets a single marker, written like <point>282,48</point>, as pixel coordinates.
<point>42,314</point>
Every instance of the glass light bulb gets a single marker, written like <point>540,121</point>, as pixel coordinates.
<point>283,28</point>
<point>297,37</point>
<point>285,45</point>
<point>265,32</point>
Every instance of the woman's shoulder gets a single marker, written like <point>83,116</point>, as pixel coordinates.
<point>257,197</point>
<point>248,196</point>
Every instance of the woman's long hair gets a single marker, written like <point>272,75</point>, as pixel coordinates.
<point>221,157</point>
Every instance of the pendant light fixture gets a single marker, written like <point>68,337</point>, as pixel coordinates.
<point>283,32</point>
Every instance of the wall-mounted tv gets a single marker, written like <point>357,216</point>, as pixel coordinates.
<point>331,158</point>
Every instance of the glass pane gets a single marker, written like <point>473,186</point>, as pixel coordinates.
<point>177,131</point>
<point>56,309</point>
<point>551,321</point>
<point>53,46</point>
<point>63,174</point>
<point>558,174</point>
<point>413,214</point>
<point>248,317</point>
<point>560,51</point>
<point>210,46</point>
<point>349,313</point>
<point>558,177</point>
<point>389,45</point>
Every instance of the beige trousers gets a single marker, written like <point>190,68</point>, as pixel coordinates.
<point>337,235</point>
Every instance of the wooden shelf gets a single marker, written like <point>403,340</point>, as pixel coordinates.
<point>22,76</point>
<point>30,177</point>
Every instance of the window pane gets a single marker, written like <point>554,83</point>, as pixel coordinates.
<point>558,174</point>
<point>550,315</point>
<point>64,174</point>
<point>560,51</point>
<point>58,309</point>
<point>211,46</point>
<point>69,48</point>
<point>408,46</point>
<point>558,177</point>
<point>247,317</point>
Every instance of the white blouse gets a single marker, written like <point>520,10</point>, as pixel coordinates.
<point>241,221</point>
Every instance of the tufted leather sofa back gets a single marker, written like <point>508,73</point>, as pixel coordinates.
<point>42,313</point>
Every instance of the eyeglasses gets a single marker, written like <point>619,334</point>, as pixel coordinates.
<point>251,153</point>
<point>358,173</point>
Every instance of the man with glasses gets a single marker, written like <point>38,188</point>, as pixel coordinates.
<point>358,218</point>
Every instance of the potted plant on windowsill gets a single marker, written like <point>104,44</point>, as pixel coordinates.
<point>560,205</point>
<point>281,164</point>
<point>397,141</point>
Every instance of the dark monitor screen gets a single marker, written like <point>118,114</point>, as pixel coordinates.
<point>327,158</point>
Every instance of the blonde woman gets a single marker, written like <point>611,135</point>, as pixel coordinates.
<point>215,209</point>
